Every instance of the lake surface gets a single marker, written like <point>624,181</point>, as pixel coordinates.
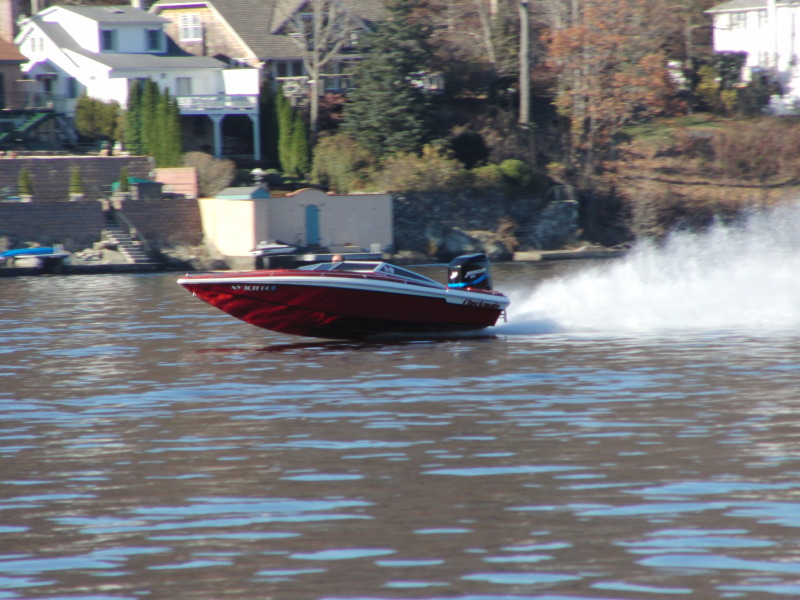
<point>631,432</point>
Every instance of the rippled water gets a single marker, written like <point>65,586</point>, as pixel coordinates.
<point>632,432</point>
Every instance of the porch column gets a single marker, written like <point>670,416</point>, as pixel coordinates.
<point>256,121</point>
<point>217,121</point>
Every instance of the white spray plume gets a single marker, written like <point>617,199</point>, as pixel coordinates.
<point>742,276</point>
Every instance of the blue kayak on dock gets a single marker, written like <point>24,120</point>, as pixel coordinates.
<point>43,251</point>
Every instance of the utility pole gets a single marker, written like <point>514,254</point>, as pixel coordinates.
<point>524,63</point>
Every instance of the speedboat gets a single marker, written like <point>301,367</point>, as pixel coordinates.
<point>355,299</point>
<point>272,248</point>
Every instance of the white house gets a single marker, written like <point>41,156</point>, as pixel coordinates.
<point>100,50</point>
<point>768,31</point>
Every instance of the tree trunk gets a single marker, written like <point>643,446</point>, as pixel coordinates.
<point>524,63</point>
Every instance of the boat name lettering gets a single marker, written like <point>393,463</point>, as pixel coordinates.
<point>481,304</point>
<point>254,288</point>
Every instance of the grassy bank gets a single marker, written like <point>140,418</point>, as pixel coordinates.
<point>688,171</point>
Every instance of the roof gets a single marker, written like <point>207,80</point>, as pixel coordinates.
<point>121,60</point>
<point>58,35</point>
<point>9,53</point>
<point>174,59</point>
<point>260,34</point>
<point>243,193</point>
<point>115,14</point>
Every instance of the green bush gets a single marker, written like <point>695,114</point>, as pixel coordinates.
<point>97,120</point>
<point>488,176</point>
<point>124,180</point>
<point>433,170</point>
<point>24,182</point>
<point>75,181</point>
<point>340,164</point>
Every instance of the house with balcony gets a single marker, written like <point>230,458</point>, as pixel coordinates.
<point>100,50</point>
<point>767,31</point>
<point>262,34</point>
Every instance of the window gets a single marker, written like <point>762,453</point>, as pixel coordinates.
<point>190,27</point>
<point>288,68</point>
<point>184,86</point>
<point>153,39</point>
<point>72,87</point>
<point>108,40</point>
<point>737,20</point>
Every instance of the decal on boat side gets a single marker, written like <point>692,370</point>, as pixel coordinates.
<point>481,304</point>
<point>254,288</point>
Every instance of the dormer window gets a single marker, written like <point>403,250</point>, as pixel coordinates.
<point>37,44</point>
<point>190,28</point>
<point>108,40</point>
<point>153,40</point>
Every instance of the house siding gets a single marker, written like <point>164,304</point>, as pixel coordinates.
<point>218,40</point>
<point>766,33</point>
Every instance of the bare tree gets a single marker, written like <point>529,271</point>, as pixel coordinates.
<point>322,31</point>
<point>524,62</point>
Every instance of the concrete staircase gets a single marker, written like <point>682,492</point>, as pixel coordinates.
<point>134,251</point>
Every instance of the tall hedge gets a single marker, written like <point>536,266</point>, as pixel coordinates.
<point>133,119</point>
<point>153,124</point>
<point>285,117</point>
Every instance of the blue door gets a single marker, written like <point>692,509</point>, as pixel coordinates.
<point>312,225</point>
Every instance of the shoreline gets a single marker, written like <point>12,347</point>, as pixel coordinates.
<point>128,268</point>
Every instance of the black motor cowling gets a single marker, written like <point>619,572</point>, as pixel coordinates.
<point>470,270</point>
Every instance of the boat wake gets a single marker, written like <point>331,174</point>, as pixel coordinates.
<point>741,276</point>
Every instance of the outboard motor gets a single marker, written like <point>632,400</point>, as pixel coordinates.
<point>470,270</point>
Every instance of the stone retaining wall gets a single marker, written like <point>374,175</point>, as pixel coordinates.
<point>77,225</point>
<point>438,225</point>
<point>443,224</point>
<point>166,223</point>
<point>50,174</point>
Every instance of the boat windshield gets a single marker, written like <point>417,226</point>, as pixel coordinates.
<point>371,267</point>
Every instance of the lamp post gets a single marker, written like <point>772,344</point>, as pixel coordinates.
<point>524,63</point>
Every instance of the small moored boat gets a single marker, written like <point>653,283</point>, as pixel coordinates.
<point>356,299</point>
<point>38,252</point>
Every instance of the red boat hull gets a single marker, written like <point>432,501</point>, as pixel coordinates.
<point>341,312</point>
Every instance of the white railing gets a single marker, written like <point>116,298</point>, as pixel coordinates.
<point>218,103</point>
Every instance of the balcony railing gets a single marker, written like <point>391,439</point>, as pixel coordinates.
<point>218,103</point>
<point>33,101</point>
